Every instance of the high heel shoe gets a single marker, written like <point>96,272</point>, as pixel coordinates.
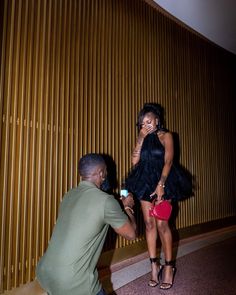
<point>154,283</point>
<point>165,285</point>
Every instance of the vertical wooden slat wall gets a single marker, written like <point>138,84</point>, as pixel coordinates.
<point>74,74</point>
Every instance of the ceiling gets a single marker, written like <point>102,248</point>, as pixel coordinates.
<point>214,19</point>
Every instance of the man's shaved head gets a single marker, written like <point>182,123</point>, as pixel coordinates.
<point>89,162</point>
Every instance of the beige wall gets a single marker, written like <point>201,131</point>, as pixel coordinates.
<point>73,76</point>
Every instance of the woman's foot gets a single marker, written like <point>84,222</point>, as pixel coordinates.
<point>154,281</point>
<point>168,274</point>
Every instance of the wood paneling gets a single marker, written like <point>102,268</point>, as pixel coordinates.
<point>74,74</point>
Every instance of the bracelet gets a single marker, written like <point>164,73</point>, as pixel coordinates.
<point>128,208</point>
<point>137,151</point>
<point>161,184</point>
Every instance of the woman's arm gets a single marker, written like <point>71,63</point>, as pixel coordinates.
<point>137,149</point>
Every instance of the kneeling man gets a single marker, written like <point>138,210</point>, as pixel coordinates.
<point>69,263</point>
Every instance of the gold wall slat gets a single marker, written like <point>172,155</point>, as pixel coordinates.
<point>17,139</point>
<point>73,76</point>
<point>3,24</point>
<point>27,125</point>
<point>33,163</point>
<point>42,109</point>
<point>6,236</point>
<point>47,127</point>
<point>50,125</point>
<point>20,161</point>
<point>13,212</point>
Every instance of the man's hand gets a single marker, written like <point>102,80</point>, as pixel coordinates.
<point>128,201</point>
<point>128,230</point>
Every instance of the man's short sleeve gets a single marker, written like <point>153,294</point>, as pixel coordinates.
<point>113,214</point>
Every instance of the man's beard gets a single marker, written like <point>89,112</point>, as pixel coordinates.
<point>105,185</point>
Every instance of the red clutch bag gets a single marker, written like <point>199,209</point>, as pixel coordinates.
<point>161,211</point>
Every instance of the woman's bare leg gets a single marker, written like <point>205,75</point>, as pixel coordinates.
<point>151,237</point>
<point>166,241</point>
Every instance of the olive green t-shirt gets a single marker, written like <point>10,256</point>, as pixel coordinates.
<point>69,264</point>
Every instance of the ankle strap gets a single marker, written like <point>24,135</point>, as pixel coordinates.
<point>171,262</point>
<point>153,260</point>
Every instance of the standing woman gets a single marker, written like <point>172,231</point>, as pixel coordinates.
<point>155,177</point>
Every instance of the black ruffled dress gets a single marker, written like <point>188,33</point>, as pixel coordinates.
<point>143,178</point>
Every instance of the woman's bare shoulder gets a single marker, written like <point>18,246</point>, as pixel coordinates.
<point>164,133</point>
<point>165,136</point>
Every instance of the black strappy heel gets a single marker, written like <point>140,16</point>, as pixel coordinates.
<point>164,285</point>
<point>154,283</point>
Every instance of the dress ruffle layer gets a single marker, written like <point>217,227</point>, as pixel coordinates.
<point>143,178</point>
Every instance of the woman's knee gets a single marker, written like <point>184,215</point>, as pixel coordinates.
<point>162,227</point>
<point>150,225</point>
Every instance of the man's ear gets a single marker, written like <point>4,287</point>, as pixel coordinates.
<point>99,171</point>
<point>102,173</point>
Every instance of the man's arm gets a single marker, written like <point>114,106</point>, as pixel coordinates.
<point>128,230</point>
